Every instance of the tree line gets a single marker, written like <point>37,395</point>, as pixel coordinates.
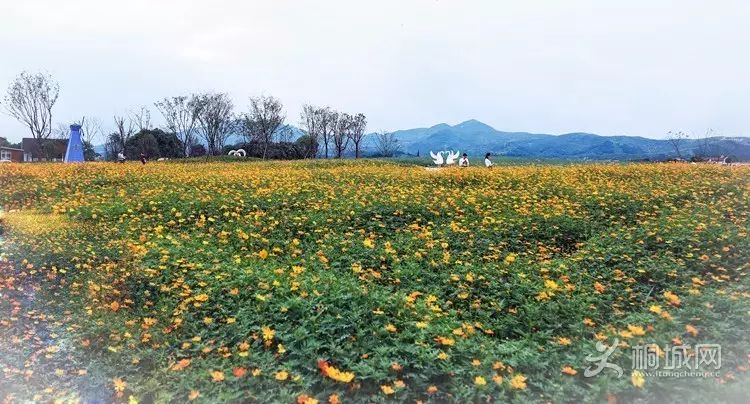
<point>200,124</point>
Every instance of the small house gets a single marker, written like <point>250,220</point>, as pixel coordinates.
<point>46,150</point>
<point>11,154</point>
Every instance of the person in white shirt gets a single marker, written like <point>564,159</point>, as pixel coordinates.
<point>464,161</point>
<point>487,161</point>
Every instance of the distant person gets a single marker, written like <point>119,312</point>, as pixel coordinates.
<point>143,158</point>
<point>120,157</point>
<point>464,161</point>
<point>487,161</point>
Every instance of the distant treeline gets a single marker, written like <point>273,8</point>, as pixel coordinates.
<point>196,125</point>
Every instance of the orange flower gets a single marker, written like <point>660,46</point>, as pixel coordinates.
<point>672,298</point>
<point>181,364</point>
<point>119,384</point>
<point>331,372</point>
<point>569,370</point>
<point>239,372</point>
<point>599,288</point>
<point>445,341</point>
<point>305,399</point>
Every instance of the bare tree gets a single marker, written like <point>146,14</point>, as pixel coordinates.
<point>91,129</point>
<point>181,119</point>
<point>309,120</point>
<point>341,133</point>
<point>214,113</point>
<point>112,147</point>
<point>61,131</point>
<point>266,116</point>
<point>387,144</point>
<point>30,99</point>
<point>676,139</point>
<point>284,134</point>
<point>123,131</point>
<point>704,145</point>
<point>141,118</point>
<point>327,119</point>
<point>357,132</point>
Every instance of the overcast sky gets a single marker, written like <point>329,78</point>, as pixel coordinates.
<point>637,68</point>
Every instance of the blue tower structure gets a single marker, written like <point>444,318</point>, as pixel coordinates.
<point>74,153</point>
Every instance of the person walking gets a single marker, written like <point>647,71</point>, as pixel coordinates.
<point>487,161</point>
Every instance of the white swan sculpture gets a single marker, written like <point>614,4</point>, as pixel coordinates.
<point>237,153</point>
<point>451,159</point>
<point>437,158</point>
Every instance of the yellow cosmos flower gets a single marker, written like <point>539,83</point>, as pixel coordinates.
<point>217,375</point>
<point>281,375</point>
<point>637,378</point>
<point>518,381</point>
<point>119,385</point>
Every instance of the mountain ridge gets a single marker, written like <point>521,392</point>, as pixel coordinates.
<point>476,138</point>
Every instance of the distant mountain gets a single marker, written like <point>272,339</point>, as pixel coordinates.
<point>477,138</point>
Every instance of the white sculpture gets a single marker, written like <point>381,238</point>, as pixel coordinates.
<point>451,160</point>
<point>237,153</point>
<point>437,158</point>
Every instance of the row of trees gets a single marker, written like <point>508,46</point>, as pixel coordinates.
<point>334,129</point>
<point>199,124</point>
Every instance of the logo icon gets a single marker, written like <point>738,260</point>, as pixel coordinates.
<point>601,360</point>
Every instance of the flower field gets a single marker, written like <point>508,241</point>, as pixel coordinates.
<point>367,281</point>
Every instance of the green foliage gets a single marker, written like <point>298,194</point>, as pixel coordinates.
<point>407,278</point>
